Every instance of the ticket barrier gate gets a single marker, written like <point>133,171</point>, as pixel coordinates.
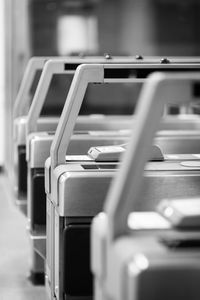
<point>38,144</point>
<point>37,174</point>
<point>83,122</point>
<point>44,123</point>
<point>75,192</point>
<point>137,254</point>
<point>36,64</point>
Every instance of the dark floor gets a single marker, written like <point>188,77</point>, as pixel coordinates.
<point>14,251</point>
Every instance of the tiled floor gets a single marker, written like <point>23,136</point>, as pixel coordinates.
<point>14,251</point>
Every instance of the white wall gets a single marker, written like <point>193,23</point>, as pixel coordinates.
<point>2,83</point>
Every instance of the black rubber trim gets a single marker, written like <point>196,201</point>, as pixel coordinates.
<point>141,73</point>
<point>70,67</point>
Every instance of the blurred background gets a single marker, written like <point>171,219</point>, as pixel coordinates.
<point>69,27</point>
